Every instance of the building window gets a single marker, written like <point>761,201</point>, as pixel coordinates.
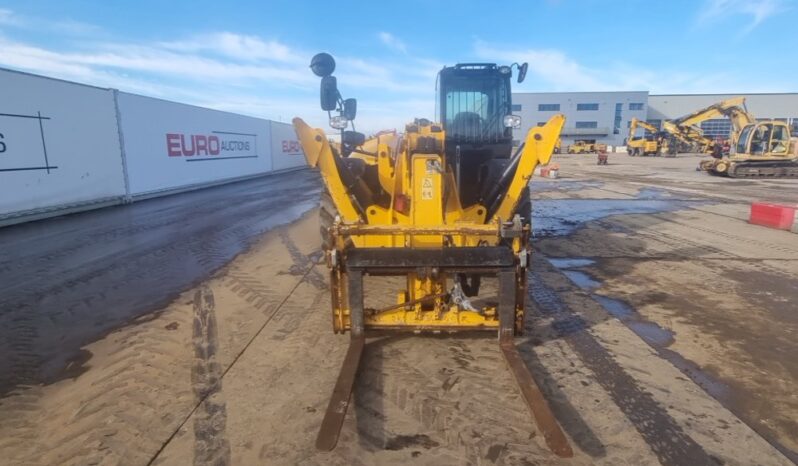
<point>541,123</point>
<point>635,106</point>
<point>794,129</point>
<point>516,107</point>
<point>587,124</point>
<point>548,107</point>
<point>716,128</point>
<point>616,129</point>
<point>581,107</point>
<point>655,123</point>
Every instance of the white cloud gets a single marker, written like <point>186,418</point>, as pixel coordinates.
<point>225,70</point>
<point>552,67</point>
<point>63,26</point>
<point>7,17</point>
<point>392,42</point>
<point>553,70</point>
<point>238,46</point>
<point>228,71</point>
<point>757,10</point>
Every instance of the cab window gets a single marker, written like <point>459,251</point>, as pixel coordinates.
<point>779,140</point>
<point>761,138</point>
<point>742,143</point>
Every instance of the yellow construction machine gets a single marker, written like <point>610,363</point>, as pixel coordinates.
<point>648,144</point>
<point>763,149</point>
<point>687,130</point>
<point>682,138</point>
<point>444,206</point>
<point>581,147</point>
<point>759,148</point>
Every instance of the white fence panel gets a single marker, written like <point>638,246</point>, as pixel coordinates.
<point>286,150</point>
<point>59,145</point>
<point>171,146</point>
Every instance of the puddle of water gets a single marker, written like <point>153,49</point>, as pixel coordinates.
<point>653,193</point>
<point>581,279</point>
<point>570,263</point>
<point>652,333</point>
<point>558,217</point>
<point>715,388</point>
<point>660,338</point>
<point>563,185</point>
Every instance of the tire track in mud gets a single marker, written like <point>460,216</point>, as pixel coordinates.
<point>47,313</point>
<point>662,433</point>
<point>302,262</point>
<point>125,411</point>
<point>49,306</point>
<point>211,446</point>
<point>243,285</point>
<point>731,267</point>
<point>460,409</point>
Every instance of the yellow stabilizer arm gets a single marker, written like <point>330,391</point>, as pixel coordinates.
<point>318,153</point>
<point>538,148</point>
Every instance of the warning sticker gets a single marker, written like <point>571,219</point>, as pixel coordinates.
<point>426,188</point>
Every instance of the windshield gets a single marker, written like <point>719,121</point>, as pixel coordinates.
<point>474,107</point>
<point>743,141</point>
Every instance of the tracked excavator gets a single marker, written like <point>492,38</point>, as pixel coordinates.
<point>760,149</point>
<point>763,149</point>
<point>444,206</point>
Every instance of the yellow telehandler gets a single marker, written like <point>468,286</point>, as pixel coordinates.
<point>443,206</point>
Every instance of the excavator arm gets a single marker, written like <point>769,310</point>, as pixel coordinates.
<point>687,134</point>
<point>733,108</point>
<point>647,126</point>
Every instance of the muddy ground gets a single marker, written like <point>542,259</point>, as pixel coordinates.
<point>662,329</point>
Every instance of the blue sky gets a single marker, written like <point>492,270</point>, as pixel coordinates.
<point>252,57</point>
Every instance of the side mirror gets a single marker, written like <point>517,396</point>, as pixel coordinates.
<point>522,72</point>
<point>329,93</point>
<point>350,109</point>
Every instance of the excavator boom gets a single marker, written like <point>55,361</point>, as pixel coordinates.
<point>687,126</point>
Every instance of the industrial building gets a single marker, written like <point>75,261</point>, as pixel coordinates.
<point>604,116</point>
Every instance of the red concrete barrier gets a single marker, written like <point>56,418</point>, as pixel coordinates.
<point>777,216</point>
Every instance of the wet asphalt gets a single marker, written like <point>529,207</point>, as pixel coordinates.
<point>70,280</point>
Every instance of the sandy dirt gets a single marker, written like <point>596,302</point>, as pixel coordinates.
<point>660,330</point>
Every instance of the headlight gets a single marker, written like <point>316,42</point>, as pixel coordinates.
<point>338,122</point>
<point>512,121</point>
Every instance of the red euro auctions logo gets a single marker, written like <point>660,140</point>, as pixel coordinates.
<point>195,144</point>
<point>291,147</point>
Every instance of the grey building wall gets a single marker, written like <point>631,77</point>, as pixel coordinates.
<point>527,105</point>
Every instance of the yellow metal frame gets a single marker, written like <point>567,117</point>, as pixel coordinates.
<point>432,218</point>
